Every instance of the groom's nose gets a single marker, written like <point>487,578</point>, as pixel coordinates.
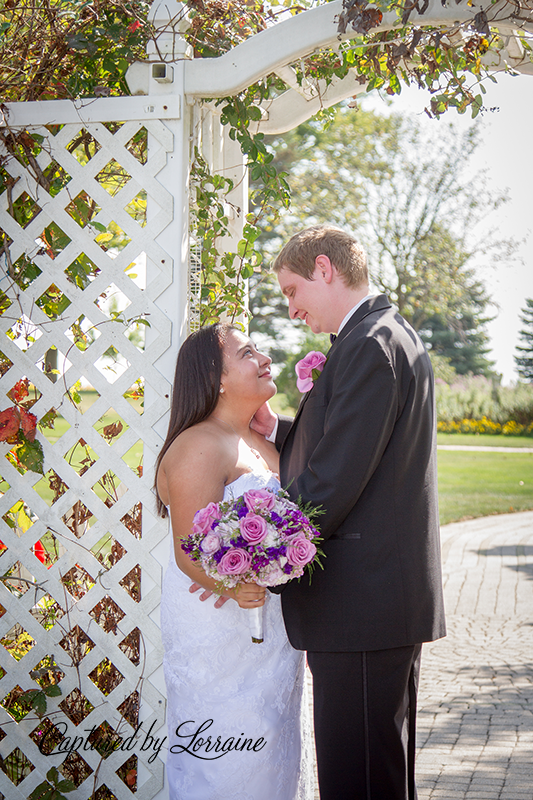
<point>293,311</point>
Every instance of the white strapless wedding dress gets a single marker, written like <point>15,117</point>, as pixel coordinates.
<point>252,693</point>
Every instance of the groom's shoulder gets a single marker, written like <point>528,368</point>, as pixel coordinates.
<point>383,326</point>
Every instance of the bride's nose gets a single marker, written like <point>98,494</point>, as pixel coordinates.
<point>265,360</point>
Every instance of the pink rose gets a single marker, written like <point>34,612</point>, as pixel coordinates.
<point>204,518</point>
<point>314,361</point>
<point>253,528</point>
<point>300,551</point>
<point>234,562</point>
<point>259,500</point>
<point>210,543</point>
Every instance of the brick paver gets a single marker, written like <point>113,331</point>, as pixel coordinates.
<point>475,703</point>
<point>475,719</point>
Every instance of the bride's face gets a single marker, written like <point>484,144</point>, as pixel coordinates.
<point>246,373</point>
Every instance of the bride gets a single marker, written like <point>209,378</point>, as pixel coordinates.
<point>236,712</point>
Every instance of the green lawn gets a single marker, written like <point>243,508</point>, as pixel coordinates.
<point>484,440</point>
<point>478,484</point>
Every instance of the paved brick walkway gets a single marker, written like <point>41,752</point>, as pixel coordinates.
<point>481,449</point>
<point>475,710</point>
<point>475,720</point>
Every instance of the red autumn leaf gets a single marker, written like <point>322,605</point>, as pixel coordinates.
<point>9,424</point>
<point>28,423</point>
<point>40,552</point>
<point>131,777</point>
<point>19,390</point>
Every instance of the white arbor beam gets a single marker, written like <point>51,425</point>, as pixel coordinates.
<point>291,108</point>
<point>297,37</point>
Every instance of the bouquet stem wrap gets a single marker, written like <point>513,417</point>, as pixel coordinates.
<point>255,620</point>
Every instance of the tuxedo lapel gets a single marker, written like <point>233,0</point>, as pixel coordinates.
<point>379,303</point>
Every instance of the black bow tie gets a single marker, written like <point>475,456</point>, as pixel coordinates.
<point>332,337</point>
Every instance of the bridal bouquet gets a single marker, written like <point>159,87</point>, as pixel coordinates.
<point>261,536</point>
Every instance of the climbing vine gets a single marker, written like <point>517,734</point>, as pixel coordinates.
<point>447,63</point>
<point>75,48</point>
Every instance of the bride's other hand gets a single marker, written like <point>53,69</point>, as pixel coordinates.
<point>264,420</point>
<point>206,594</point>
<point>249,595</point>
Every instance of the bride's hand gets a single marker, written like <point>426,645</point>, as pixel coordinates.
<point>249,595</point>
<point>206,594</point>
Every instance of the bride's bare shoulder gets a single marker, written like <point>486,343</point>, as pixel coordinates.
<point>200,445</point>
<point>198,457</point>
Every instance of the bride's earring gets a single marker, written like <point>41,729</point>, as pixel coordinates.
<point>221,390</point>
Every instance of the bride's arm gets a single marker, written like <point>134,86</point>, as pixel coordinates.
<point>193,474</point>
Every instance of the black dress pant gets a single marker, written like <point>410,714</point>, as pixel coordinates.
<point>364,713</point>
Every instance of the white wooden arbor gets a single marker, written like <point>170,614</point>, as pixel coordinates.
<point>169,106</point>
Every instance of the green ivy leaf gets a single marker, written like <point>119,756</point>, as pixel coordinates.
<point>39,703</point>
<point>52,691</point>
<point>31,456</point>
<point>98,226</point>
<point>65,786</point>
<point>42,792</point>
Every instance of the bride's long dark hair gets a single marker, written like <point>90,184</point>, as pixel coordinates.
<point>196,386</point>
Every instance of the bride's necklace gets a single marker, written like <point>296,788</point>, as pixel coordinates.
<point>254,451</point>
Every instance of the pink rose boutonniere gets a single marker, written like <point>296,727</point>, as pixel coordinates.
<point>309,369</point>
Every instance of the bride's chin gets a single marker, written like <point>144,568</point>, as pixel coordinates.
<point>273,390</point>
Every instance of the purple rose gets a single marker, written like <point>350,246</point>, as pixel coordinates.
<point>204,518</point>
<point>234,562</point>
<point>210,544</point>
<point>314,360</point>
<point>253,528</point>
<point>300,551</point>
<point>259,500</point>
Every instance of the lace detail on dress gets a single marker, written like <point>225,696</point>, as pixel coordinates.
<point>249,691</point>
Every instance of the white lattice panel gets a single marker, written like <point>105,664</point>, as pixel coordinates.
<point>91,531</point>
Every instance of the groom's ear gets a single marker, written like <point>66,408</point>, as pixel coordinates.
<point>324,268</point>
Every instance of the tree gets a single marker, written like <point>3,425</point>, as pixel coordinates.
<point>270,318</point>
<point>415,207</point>
<point>524,361</point>
<point>462,342</point>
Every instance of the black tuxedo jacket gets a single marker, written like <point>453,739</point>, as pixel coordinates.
<point>363,446</point>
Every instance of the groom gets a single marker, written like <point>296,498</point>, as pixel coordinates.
<point>362,446</point>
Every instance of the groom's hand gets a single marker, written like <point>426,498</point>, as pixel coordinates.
<point>206,594</point>
<point>264,420</point>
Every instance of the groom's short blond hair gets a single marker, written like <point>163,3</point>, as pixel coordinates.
<point>343,250</point>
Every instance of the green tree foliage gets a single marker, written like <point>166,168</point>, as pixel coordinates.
<point>286,380</point>
<point>462,340</point>
<point>524,359</point>
<point>442,368</point>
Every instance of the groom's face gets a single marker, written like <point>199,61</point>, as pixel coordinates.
<point>308,300</point>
